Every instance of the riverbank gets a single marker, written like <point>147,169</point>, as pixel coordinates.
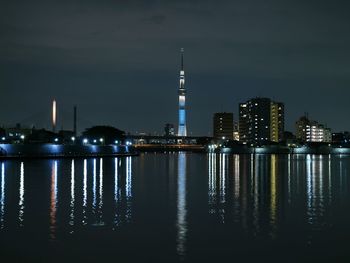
<point>47,150</point>
<point>277,149</point>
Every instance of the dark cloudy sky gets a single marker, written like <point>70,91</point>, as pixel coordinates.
<point>119,60</point>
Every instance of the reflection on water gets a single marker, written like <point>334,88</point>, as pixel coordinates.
<point>72,194</point>
<point>21,196</point>
<point>181,205</point>
<point>2,197</point>
<point>252,197</point>
<point>276,178</point>
<point>84,221</point>
<point>53,202</point>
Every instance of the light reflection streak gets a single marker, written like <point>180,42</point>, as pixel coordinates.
<point>309,189</point>
<point>94,188</point>
<point>21,196</point>
<point>273,201</point>
<point>236,186</point>
<point>181,205</point>
<point>84,192</point>
<point>101,190</point>
<point>289,179</point>
<point>330,178</point>
<point>128,189</point>
<point>116,192</point>
<point>315,190</point>
<point>2,197</point>
<point>222,185</point>
<point>72,193</point>
<point>236,176</point>
<point>255,189</point>
<point>212,182</point>
<point>53,203</point>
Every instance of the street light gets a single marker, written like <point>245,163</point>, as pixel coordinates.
<point>85,141</point>
<point>73,139</point>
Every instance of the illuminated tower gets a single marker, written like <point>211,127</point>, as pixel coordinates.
<point>182,131</point>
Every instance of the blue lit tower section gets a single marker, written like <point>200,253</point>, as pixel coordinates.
<point>182,131</point>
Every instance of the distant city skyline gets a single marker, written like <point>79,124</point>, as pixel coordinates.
<point>118,62</point>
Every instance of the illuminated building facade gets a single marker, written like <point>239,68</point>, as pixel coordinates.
<point>182,130</point>
<point>261,120</point>
<point>311,131</point>
<point>223,125</point>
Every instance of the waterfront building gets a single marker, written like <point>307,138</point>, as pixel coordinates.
<point>341,137</point>
<point>223,125</point>
<point>169,129</point>
<point>182,129</point>
<point>235,131</point>
<point>261,120</point>
<point>243,122</point>
<point>311,131</point>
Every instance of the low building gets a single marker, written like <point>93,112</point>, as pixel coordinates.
<point>311,131</point>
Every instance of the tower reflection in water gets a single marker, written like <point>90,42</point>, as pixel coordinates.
<point>181,205</point>
<point>53,201</point>
<point>253,190</point>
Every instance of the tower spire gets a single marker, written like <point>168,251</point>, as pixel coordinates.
<point>182,59</point>
<point>182,130</point>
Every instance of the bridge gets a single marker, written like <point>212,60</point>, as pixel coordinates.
<point>169,143</point>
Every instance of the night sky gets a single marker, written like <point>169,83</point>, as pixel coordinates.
<point>118,61</point>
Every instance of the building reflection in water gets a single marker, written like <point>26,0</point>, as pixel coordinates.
<point>84,221</point>
<point>273,193</point>
<point>2,197</point>
<point>72,193</point>
<point>181,205</point>
<point>21,196</point>
<point>319,190</point>
<point>212,182</point>
<point>53,201</point>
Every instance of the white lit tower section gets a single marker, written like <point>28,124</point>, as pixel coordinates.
<point>182,131</point>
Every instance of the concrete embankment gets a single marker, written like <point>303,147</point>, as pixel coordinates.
<point>11,151</point>
<point>285,150</point>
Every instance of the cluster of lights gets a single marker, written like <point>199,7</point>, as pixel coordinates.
<point>213,147</point>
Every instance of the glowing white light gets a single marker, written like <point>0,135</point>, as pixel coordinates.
<point>85,141</point>
<point>54,113</point>
<point>101,139</point>
<point>85,192</point>
<point>2,199</point>
<point>73,139</point>
<point>56,139</point>
<point>22,137</point>
<point>72,194</point>
<point>95,141</point>
<point>3,138</point>
<point>21,196</point>
<point>116,142</point>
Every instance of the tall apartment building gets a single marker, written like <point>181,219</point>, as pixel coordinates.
<point>261,120</point>
<point>223,125</point>
<point>311,131</point>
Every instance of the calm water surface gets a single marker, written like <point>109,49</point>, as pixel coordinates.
<point>176,208</point>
